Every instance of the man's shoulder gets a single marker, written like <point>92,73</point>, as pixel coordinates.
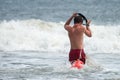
<point>81,27</point>
<point>68,28</point>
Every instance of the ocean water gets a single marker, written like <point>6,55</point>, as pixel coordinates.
<point>35,46</point>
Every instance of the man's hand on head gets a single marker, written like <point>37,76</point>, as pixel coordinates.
<point>74,14</point>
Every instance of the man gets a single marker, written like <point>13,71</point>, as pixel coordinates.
<point>75,34</point>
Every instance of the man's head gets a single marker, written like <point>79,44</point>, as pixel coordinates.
<point>78,19</point>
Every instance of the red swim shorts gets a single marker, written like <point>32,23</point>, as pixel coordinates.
<point>75,54</point>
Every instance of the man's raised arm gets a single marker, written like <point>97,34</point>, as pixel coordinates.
<point>67,24</point>
<point>87,30</point>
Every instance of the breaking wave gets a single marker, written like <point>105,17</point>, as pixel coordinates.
<point>38,35</point>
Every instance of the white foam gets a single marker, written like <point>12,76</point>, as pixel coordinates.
<point>105,39</point>
<point>50,36</point>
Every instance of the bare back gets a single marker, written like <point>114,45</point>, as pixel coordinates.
<point>76,36</point>
<point>76,32</point>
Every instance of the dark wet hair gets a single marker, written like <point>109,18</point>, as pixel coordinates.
<point>78,19</point>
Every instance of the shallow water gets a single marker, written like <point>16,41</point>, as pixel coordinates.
<point>36,65</point>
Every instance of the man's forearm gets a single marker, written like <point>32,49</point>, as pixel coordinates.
<point>88,25</point>
<point>89,31</point>
<point>88,28</point>
<point>69,20</point>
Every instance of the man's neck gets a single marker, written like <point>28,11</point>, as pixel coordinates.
<point>77,24</point>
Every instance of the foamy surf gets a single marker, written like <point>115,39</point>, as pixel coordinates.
<point>38,35</point>
<point>31,35</point>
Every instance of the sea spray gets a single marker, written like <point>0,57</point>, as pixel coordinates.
<point>38,35</point>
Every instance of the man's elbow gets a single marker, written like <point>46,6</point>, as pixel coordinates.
<point>90,35</point>
<point>64,26</point>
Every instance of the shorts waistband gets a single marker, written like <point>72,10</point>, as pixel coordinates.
<point>76,49</point>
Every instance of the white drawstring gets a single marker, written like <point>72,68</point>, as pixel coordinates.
<point>80,57</point>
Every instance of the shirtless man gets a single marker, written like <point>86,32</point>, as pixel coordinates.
<point>76,33</point>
